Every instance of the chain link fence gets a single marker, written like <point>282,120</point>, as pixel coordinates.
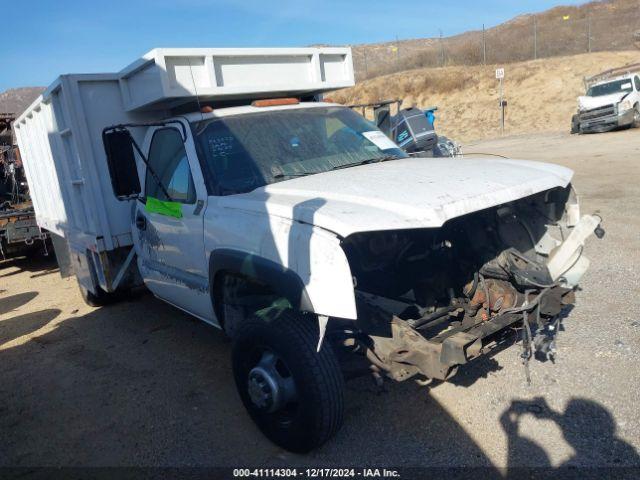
<point>526,38</point>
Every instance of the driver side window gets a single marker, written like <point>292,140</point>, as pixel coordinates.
<point>168,159</point>
<point>637,82</point>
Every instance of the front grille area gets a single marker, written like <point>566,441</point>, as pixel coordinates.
<point>598,112</point>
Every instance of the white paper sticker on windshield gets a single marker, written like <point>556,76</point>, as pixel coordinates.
<point>379,139</point>
<point>625,85</point>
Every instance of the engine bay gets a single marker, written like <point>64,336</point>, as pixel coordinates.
<point>474,276</point>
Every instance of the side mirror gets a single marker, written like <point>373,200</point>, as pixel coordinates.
<point>118,146</point>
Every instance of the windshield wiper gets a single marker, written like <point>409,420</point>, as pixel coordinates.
<point>338,167</point>
<point>296,174</point>
<point>367,161</point>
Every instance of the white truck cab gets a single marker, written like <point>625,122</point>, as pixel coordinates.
<point>220,181</point>
<point>228,214</point>
<point>612,100</point>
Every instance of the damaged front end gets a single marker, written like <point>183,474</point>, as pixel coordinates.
<point>430,300</point>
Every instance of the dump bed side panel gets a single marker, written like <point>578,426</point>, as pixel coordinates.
<point>43,172</point>
<point>176,75</point>
<point>100,105</point>
<point>61,136</point>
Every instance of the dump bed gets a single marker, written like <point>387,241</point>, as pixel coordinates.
<point>60,135</point>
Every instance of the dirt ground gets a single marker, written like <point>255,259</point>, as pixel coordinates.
<point>141,383</point>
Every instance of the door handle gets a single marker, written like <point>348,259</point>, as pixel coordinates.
<point>141,222</point>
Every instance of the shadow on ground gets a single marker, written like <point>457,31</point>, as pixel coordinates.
<point>21,325</point>
<point>139,383</point>
<point>39,265</point>
<point>584,423</point>
<point>12,302</point>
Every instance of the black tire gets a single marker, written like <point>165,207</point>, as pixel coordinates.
<point>636,116</point>
<point>316,412</point>
<point>575,124</point>
<point>100,299</point>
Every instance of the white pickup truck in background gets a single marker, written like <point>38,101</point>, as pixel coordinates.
<point>612,100</point>
<point>220,180</point>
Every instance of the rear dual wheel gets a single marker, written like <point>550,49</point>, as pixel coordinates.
<point>98,299</point>
<point>293,393</point>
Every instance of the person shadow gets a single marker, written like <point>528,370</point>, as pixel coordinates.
<point>588,427</point>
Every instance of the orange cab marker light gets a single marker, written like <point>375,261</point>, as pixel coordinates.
<point>273,102</point>
<point>206,109</point>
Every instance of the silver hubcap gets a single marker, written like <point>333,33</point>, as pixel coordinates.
<point>270,386</point>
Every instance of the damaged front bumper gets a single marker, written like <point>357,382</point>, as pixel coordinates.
<point>602,123</point>
<point>403,351</point>
<point>434,343</point>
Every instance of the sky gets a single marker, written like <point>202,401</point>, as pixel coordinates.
<point>43,39</point>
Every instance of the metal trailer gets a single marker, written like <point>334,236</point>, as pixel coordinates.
<point>60,136</point>
<point>19,232</point>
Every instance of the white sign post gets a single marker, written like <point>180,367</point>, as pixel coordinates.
<point>500,77</point>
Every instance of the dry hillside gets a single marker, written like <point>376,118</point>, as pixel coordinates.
<point>12,103</point>
<point>16,100</point>
<point>603,25</point>
<point>541,94</point>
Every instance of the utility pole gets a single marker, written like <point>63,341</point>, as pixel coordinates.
<point>589,33</point>
<point>397,51</point>
<point>501,109</point>
<point>441,50</point>
<point>535,37</point>
<point>503,102</point>
<point>366,67</point>
<point>484,47</point>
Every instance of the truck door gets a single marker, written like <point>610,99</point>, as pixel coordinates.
<point>169,234</point>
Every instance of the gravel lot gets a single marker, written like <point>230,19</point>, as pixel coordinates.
<point>140,383</point>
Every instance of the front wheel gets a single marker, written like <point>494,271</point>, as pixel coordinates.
<point>636,115</point>
<point>292,392</point>
<point>575,124</point>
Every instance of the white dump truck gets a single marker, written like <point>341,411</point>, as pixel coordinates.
<point>612,100</point>
<point>220,180</point>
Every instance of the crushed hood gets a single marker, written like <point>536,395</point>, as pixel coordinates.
<point>587,103</point>
<point>400,194</point>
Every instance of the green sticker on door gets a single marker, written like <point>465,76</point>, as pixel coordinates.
<point>161,207</point>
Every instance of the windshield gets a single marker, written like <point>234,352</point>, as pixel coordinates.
<point>609,88</point>
<point>244,152</point>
